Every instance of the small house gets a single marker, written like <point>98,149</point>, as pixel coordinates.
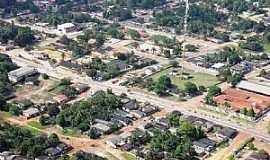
<point>30,112</point>
<point>61,98</point>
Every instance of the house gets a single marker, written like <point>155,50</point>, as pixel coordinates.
<point>31,80</point>
<point>217,66</point>
<point>66,28</point>
<point>21,73</point>
<point>64,148</point>
<point>23,103</point>
<point>241,68</point>
<point>61,98</point>
<point>53,152</point>
<point>79,87</point>
<point>102,128</point>
<point>114,142</point>
<point>149,109</point>
<point>42,158</point>
<point>40,55</point>
<point>204,145</point>
<point>226,133</point>
<point>30,112</point>
<point>258,156</point>
<point>71,65</point>
<point>122,120</point>
<point>131,105</point>
<point>122,67</point>
<point>137,113</point>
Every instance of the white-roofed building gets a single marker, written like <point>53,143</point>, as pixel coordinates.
<point>66,27</point>
<point>254,87</point>
<point>21,73</point>
<point>217,66</point>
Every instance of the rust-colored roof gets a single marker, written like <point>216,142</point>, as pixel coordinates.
<point>239,99</point>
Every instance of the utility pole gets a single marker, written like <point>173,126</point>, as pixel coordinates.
<point>185,30</point>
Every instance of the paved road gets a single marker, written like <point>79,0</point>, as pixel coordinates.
<point>185,107</point>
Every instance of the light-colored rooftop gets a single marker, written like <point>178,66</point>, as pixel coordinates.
<point>254,87</point>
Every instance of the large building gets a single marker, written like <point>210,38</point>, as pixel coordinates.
<point>21,73</point>
<point>66,28</point>
<point>254,87</point>
<point>238,100</point>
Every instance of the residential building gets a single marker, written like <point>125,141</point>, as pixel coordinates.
<point>30,112</point>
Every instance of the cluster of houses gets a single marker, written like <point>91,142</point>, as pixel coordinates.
<point>241,68</point>
<point>131,111</point>
<point>215,135</point>
<point>51,153</point>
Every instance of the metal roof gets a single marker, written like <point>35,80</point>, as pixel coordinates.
<point>254,87</point>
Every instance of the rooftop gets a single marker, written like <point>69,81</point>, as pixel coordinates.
<point>239,99</point>
<point>254,87</point>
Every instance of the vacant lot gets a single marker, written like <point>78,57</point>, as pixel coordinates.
<point>200,79</point>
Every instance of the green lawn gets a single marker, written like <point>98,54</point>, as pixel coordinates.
<point>128,156</point>
<point>4,115</point>
<point>72,132</point>
<point>33,130</point>
<point>267,48</point>
<point>36,125</point>
<point>200,79</point>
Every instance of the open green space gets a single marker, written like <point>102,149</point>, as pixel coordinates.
<point>4,115</point>
<point>72,132</point>
<point>37,125</point>
<point>200,79</point>
<point>128,156</point>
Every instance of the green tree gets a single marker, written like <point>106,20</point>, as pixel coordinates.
<point>191,88</point>
<point>53,140</point>
<point>93,133</point>
<point>53,110</point>
<point>14,110</point>
<point>212,92</point>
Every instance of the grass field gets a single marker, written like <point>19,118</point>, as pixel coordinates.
<point>128,156</point>
<point>72,132</point>
<point>54,54</point>
<point>198,78</point>
<point>4,115</point>
<point>36,125</point>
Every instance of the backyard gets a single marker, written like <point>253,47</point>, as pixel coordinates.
<point>200,79</point>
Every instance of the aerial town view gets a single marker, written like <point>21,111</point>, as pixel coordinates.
<point>134,79</point>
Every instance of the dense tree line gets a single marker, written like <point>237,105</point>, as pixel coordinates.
<point>23,142</point>
<point>22,36</point>
<point>13,6</point>
<point>6,65</point>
